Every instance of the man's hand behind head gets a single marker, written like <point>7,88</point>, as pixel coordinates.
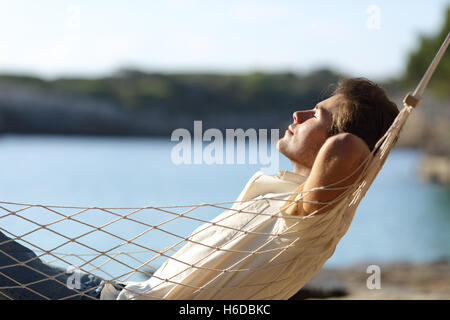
<point>338,160</point>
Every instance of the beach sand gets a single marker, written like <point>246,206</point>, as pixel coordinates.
<point>399,281</point>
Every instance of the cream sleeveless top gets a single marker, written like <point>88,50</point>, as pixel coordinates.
<point>252,251</point>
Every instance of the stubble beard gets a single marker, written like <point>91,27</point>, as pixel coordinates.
<point>300,158</point>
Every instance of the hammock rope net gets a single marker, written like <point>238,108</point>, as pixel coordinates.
<point>116,248</point>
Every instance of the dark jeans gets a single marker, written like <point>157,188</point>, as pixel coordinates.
<point>49,288</point>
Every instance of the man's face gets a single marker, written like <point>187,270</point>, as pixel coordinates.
<point>308,132</point>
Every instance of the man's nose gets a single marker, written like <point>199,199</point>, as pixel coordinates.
<point>302,116</point>
<point>297,116</point>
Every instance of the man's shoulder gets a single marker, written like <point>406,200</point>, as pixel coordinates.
<point>262,183</point>
<point>257,175</point>
<point>243,195</point>
<point>346,144</point>
<point>338,165</point>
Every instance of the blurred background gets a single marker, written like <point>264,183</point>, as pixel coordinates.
<point>91,92</point>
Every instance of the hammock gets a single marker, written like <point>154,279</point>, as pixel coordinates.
<point>132,258</point>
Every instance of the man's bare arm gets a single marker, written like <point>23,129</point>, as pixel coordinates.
<point>337,159</point>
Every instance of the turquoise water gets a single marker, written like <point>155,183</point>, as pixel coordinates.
<point>401,218</point>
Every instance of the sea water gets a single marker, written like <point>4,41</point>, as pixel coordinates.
<point>401,217</point>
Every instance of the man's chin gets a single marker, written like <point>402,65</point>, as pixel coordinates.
<point>280,145</point>
<point>281,148</point>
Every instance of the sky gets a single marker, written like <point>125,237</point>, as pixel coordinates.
<point>55,38</point>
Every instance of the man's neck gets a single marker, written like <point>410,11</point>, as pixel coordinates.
<point>301,170</point>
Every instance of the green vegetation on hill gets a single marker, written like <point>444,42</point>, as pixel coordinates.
<point>193,93</point>
<point>420,58</point>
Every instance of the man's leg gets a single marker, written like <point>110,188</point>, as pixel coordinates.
<point>14,275</point>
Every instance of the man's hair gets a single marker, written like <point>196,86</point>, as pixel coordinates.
<point>366,111</point>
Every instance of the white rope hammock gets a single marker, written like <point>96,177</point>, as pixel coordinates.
<point>299,250</point>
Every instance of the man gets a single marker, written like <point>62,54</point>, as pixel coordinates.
<point>329,142</point>
<point>281,229</point>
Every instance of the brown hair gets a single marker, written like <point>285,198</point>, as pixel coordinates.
<point>366,111</point>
